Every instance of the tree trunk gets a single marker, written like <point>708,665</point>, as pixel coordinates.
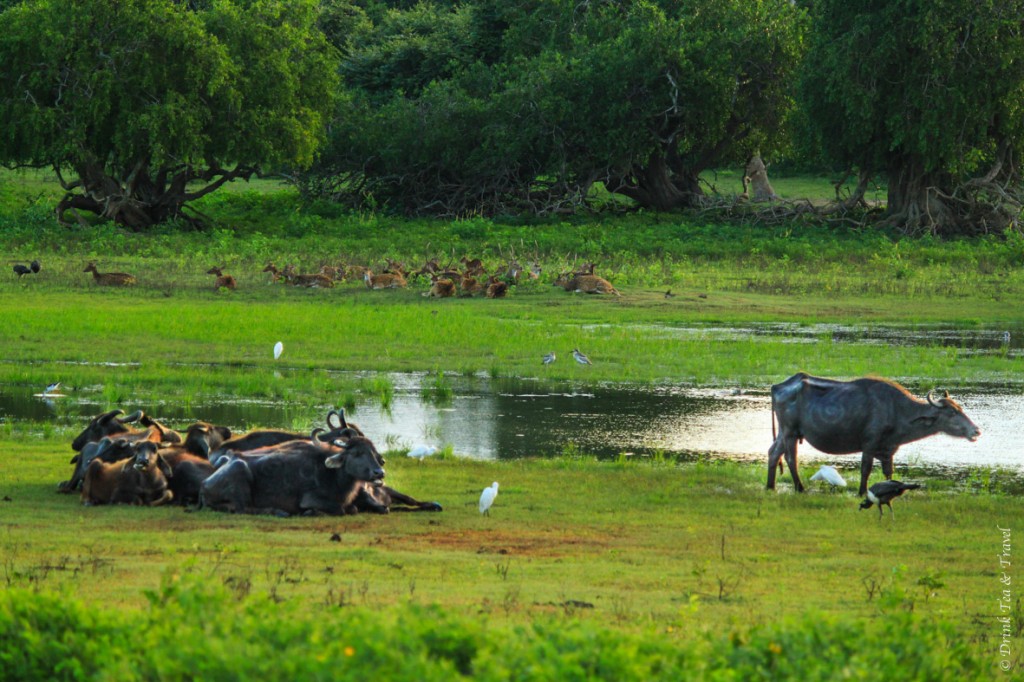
<point>655,186</point>
<point>140,201</point>
<point>918,200</point>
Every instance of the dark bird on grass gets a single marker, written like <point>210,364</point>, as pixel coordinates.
<point>549,358</point>
<point>580,357</point>
<point>34,265</point>
<point>669,294</point>
<point>20,270</point>
<point>884,493</point>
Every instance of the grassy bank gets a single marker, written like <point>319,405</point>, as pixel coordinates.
<point>689,551</point>
<point>680,569</point>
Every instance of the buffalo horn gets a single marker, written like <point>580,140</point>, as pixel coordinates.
<point>338,415</point>
<point>932,401</point>
<point>133,417</point>
<point>110,415</point>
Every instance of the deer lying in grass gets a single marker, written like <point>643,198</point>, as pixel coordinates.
<point>337,274</point>
<point>395,267</point>
<point>110,279</point>
<point>384,281</point>
<point>587,284</point>
<point>442,287</point>
<point>470,285</point>
<point>225,281</point>
<point>474,267</point>
<point>311,281</point>
<point>275,274</point>
<point>496,288</point>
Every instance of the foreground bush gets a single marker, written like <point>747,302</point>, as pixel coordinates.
<point>191,631</point>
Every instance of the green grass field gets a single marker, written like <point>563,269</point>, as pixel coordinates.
<point>635,559</point>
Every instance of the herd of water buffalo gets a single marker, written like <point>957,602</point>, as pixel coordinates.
<point>337,470</point>
<point>135,459</point>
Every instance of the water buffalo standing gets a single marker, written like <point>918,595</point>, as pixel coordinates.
<point>871,416</point>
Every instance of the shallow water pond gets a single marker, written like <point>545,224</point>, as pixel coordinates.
<point>502,419</point>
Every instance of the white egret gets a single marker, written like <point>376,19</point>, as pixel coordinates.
<point>549,358</point>
<point>487,498</point>
<point>580,357</point>
<point>420,451</point>
<point>829,475</point>
<point>51,388</point>
<point>278,349</point>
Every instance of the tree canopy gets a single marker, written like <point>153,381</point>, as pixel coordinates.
<point>931,96</point>
<point>455,107</point>
<point>143,105</point>
<point>462,106</point>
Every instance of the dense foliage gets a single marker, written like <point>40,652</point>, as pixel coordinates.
<point>536,107</point>
<point>149,104</point>
<point>191,631</point>
<point>450,108</point>
<point>930,96</point>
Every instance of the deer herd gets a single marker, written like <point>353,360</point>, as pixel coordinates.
<point>465,278</point>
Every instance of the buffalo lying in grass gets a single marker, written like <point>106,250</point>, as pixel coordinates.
<point>296,477</point>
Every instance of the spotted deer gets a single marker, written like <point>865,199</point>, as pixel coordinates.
<point>110,279</point>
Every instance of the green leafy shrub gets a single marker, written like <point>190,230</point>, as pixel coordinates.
<point>195,630</point>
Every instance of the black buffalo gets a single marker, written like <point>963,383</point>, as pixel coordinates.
<point>871,416</point>
<point>296,477</point>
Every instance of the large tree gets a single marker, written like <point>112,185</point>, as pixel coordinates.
<point>141,106</point>
<point>928,95</point>
<point>490,105</point>
<point>645,96</point>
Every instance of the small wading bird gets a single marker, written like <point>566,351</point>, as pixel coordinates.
<point>669,294</point>
<point>420,451</point>
<point>549,358</point>
<point>828,474</point>
<point>884,493</point>
<point>20,270</point>
<point>51,388</point>
<point>580,357</point>
<point>278,349</point>
<point>487,498</point>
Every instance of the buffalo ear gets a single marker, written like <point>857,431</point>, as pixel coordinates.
<point>74,460</point>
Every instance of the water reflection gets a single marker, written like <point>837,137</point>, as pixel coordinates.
<point>503,420</point>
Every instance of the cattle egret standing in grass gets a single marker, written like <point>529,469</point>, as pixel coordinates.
<point>580,357</point>
<point>487,498</point>
<point>420,451</point>
<point>278,349</point>
<point>1006,338</point>
<point>829,475</point>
